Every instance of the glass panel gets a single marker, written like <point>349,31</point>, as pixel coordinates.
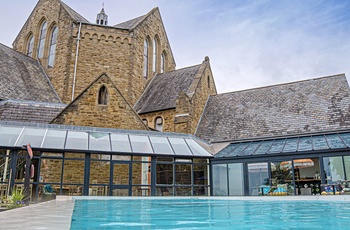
<point>200,174</point>
<point>121,158</point>
<point>140,144</point>
<point>220,180</point>
<point>346,138</point>
<point>99,142</point>
<point>55,139</point>
<point>164,159</point>
<point>307,176</point>
<point>334,141</point>
<point>120,192</point>
<point>5,165</point>
<point>9,135</point>
<point>141,190</point>
<point>238,151</point>
<point>281,178</point>
<point>291,145</point>
<point>226,150</point>
<point>120,143</point>
<point>196,149</point>
<point>50,170</point>
<point>180,147</point>
<point>347,167</point>
<point>305,144</point>
<point>251,148</point>
<point>319,142</point>
<point>161,145</point>
<point>141,173</point>
<point>258,179</point>
<point>100,190</point>
<point>165,191</point>
<point>277,146</point>
<point>200,160</point>
<point>164,174</point>
<point>264,147</point>
<point>183,174</point>
<point>77,140</point>
<point>121,174</point>
<point>73,171</point>
<point>235,179</point>
<point>99,171</point>
<point>200,191</point>
<point>32,136</point>
<point>183,191</point>
<point>333,169</point>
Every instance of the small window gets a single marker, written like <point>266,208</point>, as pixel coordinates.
<point>30,46</point>
<point>52,51</point>
<point>102,96</point>
<point>159,124</point>
<point>145,121</point>
<point>208,81</point>
<point>145,59</point>
<point>42,40</point>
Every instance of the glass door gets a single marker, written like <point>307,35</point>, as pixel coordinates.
<point>121,178</point>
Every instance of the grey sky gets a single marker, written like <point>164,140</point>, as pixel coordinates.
<point>249,43</point>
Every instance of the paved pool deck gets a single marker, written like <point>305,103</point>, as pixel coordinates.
<point>57,214</point>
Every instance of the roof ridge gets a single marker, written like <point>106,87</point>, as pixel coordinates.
<point>281,84</point>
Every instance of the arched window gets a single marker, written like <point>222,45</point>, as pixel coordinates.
<point>208,81</point>
<point>145,59</point>
<point>162,63</point>
<point>30,46</point>
<point>145,121</point>
<point>102,96</point>
<point>154,55</point>
<point>52,51</point>
<point>42,40</point>
<point>158,124</point>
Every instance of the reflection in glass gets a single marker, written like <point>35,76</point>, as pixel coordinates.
<point>55,139</point>
<point>281,178</point>
<point>140,144</point>
<point>164,174</point>
<point>227,150</point>
<point>161,145</point>
<point>305,144</point>
<point>334,141</point>
<point>251,148</point>
<point>77,140</point>
<point>346,138</point>
<point>183,191</point>
<point>220,180</point>
<point>333,169</point>
<point>277,146</point>
<point>264,147</point>
<point>240,148</point>
<point>291,145</point>
<point>120,143</point>
<point>99,141</point>
<point>235,177</point>
<point>258,177</point>
<point>347,167</point>
<point>183,174</point>
<point>200,174</point>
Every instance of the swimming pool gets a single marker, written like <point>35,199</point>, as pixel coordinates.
<point>210,214</point>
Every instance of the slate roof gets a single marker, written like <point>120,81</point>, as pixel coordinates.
<point>75,16</point>
<point>313,105</point>
<point>29,111</point>
<point>22,78</point>
<point>131,24</point>
<point>163,90</point>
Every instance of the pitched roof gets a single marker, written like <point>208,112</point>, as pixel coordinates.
<point>131,24</point>
<point>75,16</point>
<point>163,90</point>
<point>22,78</point>
<point>29,111</point>
<point>319,104</point>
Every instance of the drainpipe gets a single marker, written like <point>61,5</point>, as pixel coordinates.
<point>76,62</point>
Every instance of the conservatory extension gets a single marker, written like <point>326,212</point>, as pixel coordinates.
<point>102,162</point>
<point>311,164</point>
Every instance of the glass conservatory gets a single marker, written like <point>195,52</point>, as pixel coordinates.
<point>312,164</point>
<point>101,162</point>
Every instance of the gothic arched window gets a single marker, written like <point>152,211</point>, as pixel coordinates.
<point>154,55</point>
<point>52,51</point>
<point>102,96</point>
<point>145,59</point>
<point>30,46</point>
<point>158,124</point>
<point>42,38</point>
<point>162,63</point>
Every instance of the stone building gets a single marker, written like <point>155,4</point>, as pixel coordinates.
<point>100,82</point>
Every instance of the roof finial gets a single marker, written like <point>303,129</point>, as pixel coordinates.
<point>103,5</point>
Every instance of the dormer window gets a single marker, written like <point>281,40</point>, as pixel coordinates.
<point>159,124</point>
<point>42,40</point>
<point>103,96</point>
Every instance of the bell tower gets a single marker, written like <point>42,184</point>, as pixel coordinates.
<point>102,17</point>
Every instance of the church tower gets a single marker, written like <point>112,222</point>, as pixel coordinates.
<point>102,17</point>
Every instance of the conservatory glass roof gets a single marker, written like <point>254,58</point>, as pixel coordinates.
<point>287,145</point>
<point>80,139</point>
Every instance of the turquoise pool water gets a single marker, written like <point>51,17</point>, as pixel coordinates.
<point>209,214</point>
